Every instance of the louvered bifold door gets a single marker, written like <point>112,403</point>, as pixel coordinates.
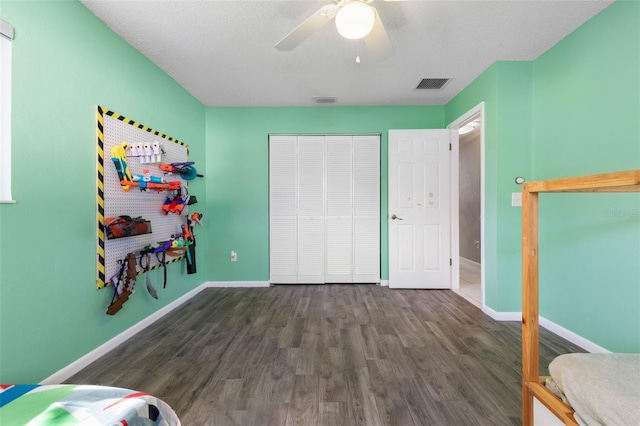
<point>324,209</point>
<point>310,209</point>
<point>339,209</point>
<point>282,209</point>
<point>366,209</point>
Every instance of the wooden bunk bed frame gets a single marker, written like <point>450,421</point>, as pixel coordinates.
<point>532,383</point>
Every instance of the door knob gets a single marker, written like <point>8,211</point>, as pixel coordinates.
<point>394,217</point>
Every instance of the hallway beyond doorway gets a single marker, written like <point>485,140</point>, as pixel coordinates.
<point>470,287</point>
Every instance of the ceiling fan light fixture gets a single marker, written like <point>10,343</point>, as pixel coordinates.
<point>355,20</point>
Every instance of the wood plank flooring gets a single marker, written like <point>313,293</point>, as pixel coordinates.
<point>327,355</point>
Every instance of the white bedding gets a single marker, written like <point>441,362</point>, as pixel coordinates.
<point>603,389</point>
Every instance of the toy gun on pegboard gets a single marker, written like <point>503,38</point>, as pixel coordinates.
<point>185,170</point>
<point>122,283</point>
<point>190,241</point>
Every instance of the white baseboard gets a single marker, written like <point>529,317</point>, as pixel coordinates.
<point>566,334</point>
<point>247,284</point>
<point>469,261</point>
<point>502,316</point>
<point>384,283</point>
<point>71,369</point>
<point>574,338</point>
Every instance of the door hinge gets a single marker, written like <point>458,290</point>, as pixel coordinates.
<point>450,262</point>
<point>449,147</point>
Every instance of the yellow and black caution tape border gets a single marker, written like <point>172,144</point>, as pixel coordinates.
<point>101,112</point>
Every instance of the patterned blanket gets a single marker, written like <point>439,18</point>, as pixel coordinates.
<point>32,405</point>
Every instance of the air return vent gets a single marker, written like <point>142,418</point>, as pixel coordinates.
<point>325,99</point>
<point>433,83</point>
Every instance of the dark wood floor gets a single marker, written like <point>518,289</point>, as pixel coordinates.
<point>327,355</point>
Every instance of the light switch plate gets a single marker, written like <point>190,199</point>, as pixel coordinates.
<point>516,199</point>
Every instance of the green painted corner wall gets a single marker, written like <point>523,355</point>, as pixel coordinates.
<point>554,117</point>
<point>514,134</point>
<point>506,90</point>
<point>484,89</point>
<point>50,311</point>
<point>237,164</point>
<point>586,109</point>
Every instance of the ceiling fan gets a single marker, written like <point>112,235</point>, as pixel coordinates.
<point>355,20</point>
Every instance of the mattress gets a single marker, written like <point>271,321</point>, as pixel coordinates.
<point>81,405</point>
<point>602,389</point>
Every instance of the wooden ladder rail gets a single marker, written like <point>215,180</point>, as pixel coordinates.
<point>530,333</point>
<point>624,181</point>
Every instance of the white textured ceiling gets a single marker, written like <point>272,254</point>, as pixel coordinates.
<point>223,52</point>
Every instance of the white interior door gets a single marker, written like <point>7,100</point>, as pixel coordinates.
<point>419,209</point>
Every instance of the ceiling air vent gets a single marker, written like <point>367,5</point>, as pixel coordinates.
<point>433,83</point>
<point>325,99</point>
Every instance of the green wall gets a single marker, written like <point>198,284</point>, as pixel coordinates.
<point>237,163</point>
<point>505,88</point>
<point>572,111</point>
<point>586,110</point>
<point>65,62</point>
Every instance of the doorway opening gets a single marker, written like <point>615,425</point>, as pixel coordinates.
<point>467,226</point>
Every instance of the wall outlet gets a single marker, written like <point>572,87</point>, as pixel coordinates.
<point>516,199</point>
<point>234,256</point>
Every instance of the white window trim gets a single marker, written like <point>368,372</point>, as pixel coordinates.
<point>6,36</point>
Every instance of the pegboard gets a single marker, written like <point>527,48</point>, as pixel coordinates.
<point>114,201</point>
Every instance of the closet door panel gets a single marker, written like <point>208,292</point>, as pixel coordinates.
<point>339,268</point>
<point>366,176</point>
<point>366,220</point>
<point>282,176</point>
<point>339,209</point>
<point>310,251</point>
<point>339,176</point>
<point>366,251</point>
<point>283,256</point>
<point>282,209</point>
<point>310,209</point>
<point>311,176</point>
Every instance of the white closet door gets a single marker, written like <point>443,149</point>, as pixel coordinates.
<point>324,197</point>
<point>282,209</point>
<point>339,209</point>
<point>366,211</point>
<point>310,209</point>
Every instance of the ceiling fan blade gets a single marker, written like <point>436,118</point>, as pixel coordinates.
<point>378,41</point>
<point>308,27</point>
